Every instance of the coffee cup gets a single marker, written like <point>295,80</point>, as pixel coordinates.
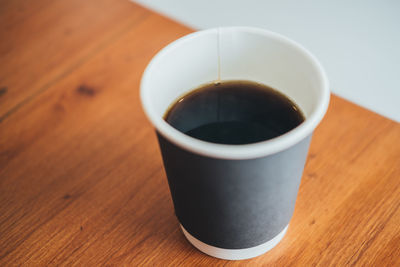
<point>234,201</point>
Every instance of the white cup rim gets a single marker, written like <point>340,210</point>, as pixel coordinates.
<point>236,152</point>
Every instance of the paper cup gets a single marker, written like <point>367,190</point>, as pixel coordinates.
<point>234,201</point>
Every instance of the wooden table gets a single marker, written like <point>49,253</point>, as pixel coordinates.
<point>81,177</point>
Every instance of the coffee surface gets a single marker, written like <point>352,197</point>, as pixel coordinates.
<point>234,112</point>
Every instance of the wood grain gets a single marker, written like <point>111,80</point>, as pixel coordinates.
<point>81,177</point>
<point>42,40</point>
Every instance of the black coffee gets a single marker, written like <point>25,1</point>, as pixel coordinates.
<point>234,112</point>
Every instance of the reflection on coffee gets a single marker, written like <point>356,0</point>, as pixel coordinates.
<point>234,112</point>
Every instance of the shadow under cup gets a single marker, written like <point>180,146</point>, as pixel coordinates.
<point>234,201</point>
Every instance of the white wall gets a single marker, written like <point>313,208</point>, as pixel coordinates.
<point>358,42</point>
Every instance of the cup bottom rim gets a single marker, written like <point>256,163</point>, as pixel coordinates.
<point>234,254</point>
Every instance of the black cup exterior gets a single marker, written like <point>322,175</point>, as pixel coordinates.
<point>233,204</point>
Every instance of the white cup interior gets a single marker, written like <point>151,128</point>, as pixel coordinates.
<point>235,53</point>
